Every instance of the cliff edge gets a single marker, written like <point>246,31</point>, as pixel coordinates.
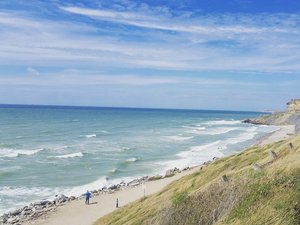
<point>289,117</point>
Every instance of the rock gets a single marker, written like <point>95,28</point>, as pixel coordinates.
<point>15,212</point>
<point>186,168</point>
<point>207,163</point>
<point>114,187</point>
<point>25,213</point>
<point>3,218</point>
<point>291,147</point>
<point>273,155</point>
<point>256,167</point>
<point>170,173</point>
<point>72,198</point>
<point>144,178</point>
<point>13,220</point>
<point>61,199</point>
<point>156,177</point>
<point>104,188</point>
<point>134,182</point>
<point>45,202</point>
<point>224,178</point>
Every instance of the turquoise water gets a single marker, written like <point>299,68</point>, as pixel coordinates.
<point>49,150</point>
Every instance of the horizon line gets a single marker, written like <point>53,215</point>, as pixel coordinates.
<point>128,107</point>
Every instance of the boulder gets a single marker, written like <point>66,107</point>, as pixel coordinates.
<point>133,183</point>
<point>13,220</point>
<point>72,198</point>
<point>186,168</point>
<point>15,212</point>
<point>273,155</point>
<point>156,177</point>
<point>256,167</point>
<point>170,173</point>
<point>224,178</point>
<point>3,218</point>
<point>114,187</point>
<point>61,199</point>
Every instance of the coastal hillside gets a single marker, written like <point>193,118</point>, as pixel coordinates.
<point>260,185</point>
<point>290,117</point>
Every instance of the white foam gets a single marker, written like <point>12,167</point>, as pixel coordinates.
<point>24,191</point>
<point>245,136</point>
<point>133,159</point>
<point>77,154</point>
<point>177,138</point>
<point>194,156</point>
<point>223,122</point>
<point>197,127</point>
<point>114,170</point>
<point>90,136</point>
<point>11,153</point>
<point>104,131</point>
<point>95,185</point>
<point>199,154</point>
<point>212,131</point>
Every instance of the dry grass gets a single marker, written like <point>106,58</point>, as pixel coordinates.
<point>269,196</point>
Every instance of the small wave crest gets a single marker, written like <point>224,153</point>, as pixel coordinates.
<point>177,138</point>
<point>90,135</point>
<point>114,171</point>
<point>72,155</point>
<point>133,159</point>
<point>12,153</point>
<point>212,131</point>
<point>223,122</point>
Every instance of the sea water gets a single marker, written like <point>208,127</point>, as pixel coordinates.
<point>46,150</point>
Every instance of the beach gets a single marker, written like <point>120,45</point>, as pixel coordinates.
<point>77,213</point>
<point>282,133</point>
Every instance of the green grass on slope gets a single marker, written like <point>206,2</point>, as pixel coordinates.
<point>268,196</point>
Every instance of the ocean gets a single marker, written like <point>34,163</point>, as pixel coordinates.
<point>49,150</point>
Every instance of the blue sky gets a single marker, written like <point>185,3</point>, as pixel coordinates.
<point>212,54</point>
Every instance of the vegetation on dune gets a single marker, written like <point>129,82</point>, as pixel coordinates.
<point>268,195</point>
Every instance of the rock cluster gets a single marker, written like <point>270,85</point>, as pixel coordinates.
<point>172,172</point>
<point>40,209</point>
<point>32,211</point>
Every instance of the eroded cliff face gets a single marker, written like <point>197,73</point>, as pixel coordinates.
<point>293,105</point>
<point>290,117</point>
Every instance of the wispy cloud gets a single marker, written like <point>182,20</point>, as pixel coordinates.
<point>162,40</point>
<point>169,24</point>
<point>33,71</point>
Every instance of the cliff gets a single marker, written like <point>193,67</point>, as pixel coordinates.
<point>289,117</point>
<point>256,186</point>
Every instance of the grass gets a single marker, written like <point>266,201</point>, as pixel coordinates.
<point>269,196</point>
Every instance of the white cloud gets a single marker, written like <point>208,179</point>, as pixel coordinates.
<point>158,22</point>
<point>199,43</point>
<point>33,71</point>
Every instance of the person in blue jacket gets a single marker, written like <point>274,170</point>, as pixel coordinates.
<point>87,197</point>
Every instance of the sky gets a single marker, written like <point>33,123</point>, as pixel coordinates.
<point>193,54</point>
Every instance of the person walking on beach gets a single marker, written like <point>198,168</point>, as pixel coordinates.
<point>87,197</point>
<point>117,203</point>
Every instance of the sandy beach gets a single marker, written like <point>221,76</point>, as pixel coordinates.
<point>77,213</point>
<point>281,134</point>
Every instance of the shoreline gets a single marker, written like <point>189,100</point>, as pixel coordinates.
<point>72,210</point>
<point>284,132</point>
